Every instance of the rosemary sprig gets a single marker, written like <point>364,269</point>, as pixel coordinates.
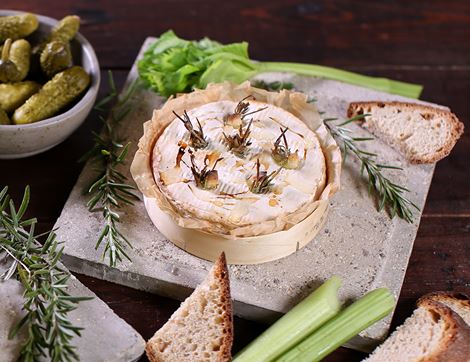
<point>389,194</point>
<point>241,111</point>
<point>261,182</point>
<point>47,303</point>
<point>196,136</point>
<point>204,178</point>
<point>273,86</point>
<point>239,142</point>
<point>283,155</point>
<point>110,189</point>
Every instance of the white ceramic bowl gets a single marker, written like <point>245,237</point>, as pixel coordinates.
<point>18,141</point>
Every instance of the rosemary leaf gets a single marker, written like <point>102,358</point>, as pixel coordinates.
<point>389,195</point>
<point>110,189</point>
<point>273,86</point>
<point>48,330</point>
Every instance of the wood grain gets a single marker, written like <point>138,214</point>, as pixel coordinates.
<point>415,41</point>
<point>337,32</point>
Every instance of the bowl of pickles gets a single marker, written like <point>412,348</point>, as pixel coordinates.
<point>49,80</point>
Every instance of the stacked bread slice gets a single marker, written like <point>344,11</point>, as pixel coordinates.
<point>438,331</point>
<point>202,328</point>
<point>423,134</point>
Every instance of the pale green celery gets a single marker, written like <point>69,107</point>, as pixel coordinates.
<point>381,84</point>
<point>173,65</point>
<point>358,316</point>
<point>299,322</point>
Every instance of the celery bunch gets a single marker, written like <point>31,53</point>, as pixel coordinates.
<point>304,318</point>
<point>316,327</point>
<point>369,309</point>
<point>173,65</point>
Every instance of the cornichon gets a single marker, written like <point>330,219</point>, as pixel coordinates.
<point>53,96</point>
<point>13,95</point>
<point>55,57</point>
<point>64,31</point>
<point>17,26</point>
<point>4,117</point>
<point>15,60</point>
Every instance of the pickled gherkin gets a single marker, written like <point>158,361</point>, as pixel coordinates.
<point>4,117</point>
<point>55,57</point>
<point>17,26</point>
<point>66,29</point>
<point>62,89</point>
<point>15,60</point>
<point>64,32</point>
<point>13,95</point>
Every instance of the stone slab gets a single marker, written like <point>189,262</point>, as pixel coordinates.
<point>365,248</point>
<point>105,336</point>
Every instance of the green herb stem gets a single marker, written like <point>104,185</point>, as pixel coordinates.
<point>380,84</point>
<point>48,330</point>
<point>110,189</point>
<point>390,195</point>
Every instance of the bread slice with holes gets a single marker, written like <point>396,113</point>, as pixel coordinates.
<point>202,327</point>
<point>458,302</point>
<point>434,333</point>
<point>423,134</point>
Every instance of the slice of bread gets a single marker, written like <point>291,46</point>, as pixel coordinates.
<point>458,302</point>
<point>423,134</point>
<point>434,333</point>
<point>202,327</point>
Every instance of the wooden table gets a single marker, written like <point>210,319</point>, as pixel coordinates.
<point>422,42</point>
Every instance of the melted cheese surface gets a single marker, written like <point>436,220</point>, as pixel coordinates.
<point>232,202</point>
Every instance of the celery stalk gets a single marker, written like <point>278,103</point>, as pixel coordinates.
<point>173,65</point>
<point>358,316</point>
<point>381,84</point>
<point>299,322</point>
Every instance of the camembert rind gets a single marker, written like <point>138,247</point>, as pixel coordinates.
<point>292,102</point>
<point>232,204</point>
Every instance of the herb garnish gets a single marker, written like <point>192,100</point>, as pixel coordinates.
<point>110,189</point>
<point>241,110</point>
<point>196,136</point>
<point>49,332</point>
<point>205,178</point>
<point>239,142</point>
<point>389,194</point>
<point>282,154</point>
<point>272,86</point>
<point>261,182</point>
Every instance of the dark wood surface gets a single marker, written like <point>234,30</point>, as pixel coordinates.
<point>416,41</point>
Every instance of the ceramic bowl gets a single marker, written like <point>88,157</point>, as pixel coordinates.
<point>18,141</point>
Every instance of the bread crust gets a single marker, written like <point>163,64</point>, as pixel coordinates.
<point>455,346</point>
<point>457,127</point>
<point>221,273</point>
<point>450,299</point>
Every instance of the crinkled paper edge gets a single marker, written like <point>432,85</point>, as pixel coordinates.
<point>293,102</point>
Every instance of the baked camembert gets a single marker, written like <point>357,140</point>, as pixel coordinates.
<point>231,200</point>
<point>237,161</point>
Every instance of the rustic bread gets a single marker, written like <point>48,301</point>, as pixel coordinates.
<point>458,302</point>
<point>423,134</point>
<point>434,333</point>
<point>202,327</point>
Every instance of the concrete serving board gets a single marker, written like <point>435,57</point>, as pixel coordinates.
<point>365,248</point>
<point>105,336</point>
